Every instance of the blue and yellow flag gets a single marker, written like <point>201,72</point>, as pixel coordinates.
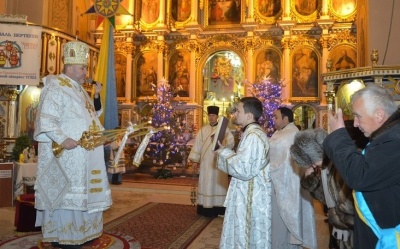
<point>105,71</point>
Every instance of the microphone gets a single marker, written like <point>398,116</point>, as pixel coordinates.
<point>91,81</point>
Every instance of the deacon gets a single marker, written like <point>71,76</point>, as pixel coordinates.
<point>213,183</point>
<point>72,190</point>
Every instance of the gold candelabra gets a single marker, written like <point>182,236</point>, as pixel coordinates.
<point>94,138</point>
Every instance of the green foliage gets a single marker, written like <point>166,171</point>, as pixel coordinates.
<point>163,174</point>
<point>21,143</point>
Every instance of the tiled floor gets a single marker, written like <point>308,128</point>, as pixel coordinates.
<point>128,196</point>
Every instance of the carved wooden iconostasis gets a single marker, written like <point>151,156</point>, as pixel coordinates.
<point>194,45</point>
<point>209,49</point>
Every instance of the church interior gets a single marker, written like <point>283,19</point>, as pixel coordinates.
<point>311,55</point>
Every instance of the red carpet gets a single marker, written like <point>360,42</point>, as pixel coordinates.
<point>145,178</point>
<point>160,225</point>
<point>152,226</point>
<point>109,241</point>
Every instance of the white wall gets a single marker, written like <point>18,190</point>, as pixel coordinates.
<point>381,36</point>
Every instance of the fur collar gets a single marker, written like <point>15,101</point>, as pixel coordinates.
<point>389,124</point>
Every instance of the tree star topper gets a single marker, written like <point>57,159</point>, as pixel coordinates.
<point>107,9</point>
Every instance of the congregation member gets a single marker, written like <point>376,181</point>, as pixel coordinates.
<point>325,184</point>
<point>247,222</point>
<point>116,167</point>
<point>213,183</point>
<point>374,173</point>
<point>72,190</point>
<point>293,223</point>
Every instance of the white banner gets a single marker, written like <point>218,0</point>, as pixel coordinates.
<point>20,50</point>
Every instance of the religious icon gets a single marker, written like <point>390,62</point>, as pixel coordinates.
<point>146,78</point>
<point>344,62</point>
<point>120,74</point>
<point>180,10</point>
<point>269,8</point>
<point>150,10</point>
<point>305,73</point>
<point>306,7</point>
<point>344,7</point>
<point>268,66</point>
<point>179,77</point>
<point>222,81</point>
<point>224,12</point>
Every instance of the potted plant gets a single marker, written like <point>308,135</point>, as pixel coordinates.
<point>22,142</point>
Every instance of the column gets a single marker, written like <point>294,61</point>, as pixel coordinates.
<point>286,10</point>
<point>161,17</point>
<point>160,57</point>
<point>326,65</point>
<point>193,12</point>
<point>192,70</point>
<point>250,59</point>
<point>324,9</point>
<point>12,112</point>
<point>128,75</point>
<point>250,11</point>
<point>286,65</point>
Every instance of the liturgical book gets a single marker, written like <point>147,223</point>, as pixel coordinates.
<point>219,133</point>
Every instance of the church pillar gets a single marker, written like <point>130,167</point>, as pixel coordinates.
<point>250,59</point>
<point>193,66</point>
<point>286,67</point>
<point>160,57</point>
<point>324,9</point>
<point>325,60</point>
<point>286,10</point>
<point>161,17</point>
<point>250,11</point>
<point>194,13</point>
<point>128,75</point>
<point>12,113</point>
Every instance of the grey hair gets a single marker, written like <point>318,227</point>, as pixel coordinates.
<point>375,97</point>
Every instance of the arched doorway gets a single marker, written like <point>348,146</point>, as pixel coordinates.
<point>305,116</point>
<point>223,76</point>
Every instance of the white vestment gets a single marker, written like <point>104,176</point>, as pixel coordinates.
<point>247,222</point>
<point>291,204</point>
<point>71,190</point>
<point>213,183</point>
<point>119,166</point>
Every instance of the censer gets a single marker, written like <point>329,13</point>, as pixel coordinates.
<point>94,138</point>
<point>193,196</point>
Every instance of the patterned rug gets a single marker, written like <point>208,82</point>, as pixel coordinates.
<point>160,225</point>
<point>146,178</point>
<point>109,241</point>
<point>151,226</point>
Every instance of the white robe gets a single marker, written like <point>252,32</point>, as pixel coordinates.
<point>119,166</point>
<point>247,222</point>
<point>72,190</point>
<point>213,183</point>
<point>294,204</point>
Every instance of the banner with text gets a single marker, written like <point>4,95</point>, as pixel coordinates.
<point>20,50</point>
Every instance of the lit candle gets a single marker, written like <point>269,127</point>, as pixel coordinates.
<point>336,104</point>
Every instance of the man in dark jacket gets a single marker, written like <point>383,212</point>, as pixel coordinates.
<point>374,172</point>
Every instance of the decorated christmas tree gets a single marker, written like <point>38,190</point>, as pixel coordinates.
<point>162,112</point>
<point>167,146</point>
<point>270,94</point>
